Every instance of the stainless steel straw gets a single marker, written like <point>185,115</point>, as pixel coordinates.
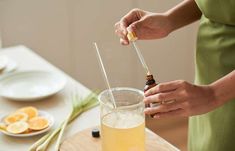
<point>104,74</point>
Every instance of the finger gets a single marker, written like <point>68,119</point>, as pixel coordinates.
<point>175,113</point>
<point>123,26</point>
<point>121,35</point>
<point>124,23</point>
<point>135,28</point>
<point>124,42</point>
<point>120,31</point>
<point>130,17</point>
<point>163,87</point>
<point>161,97</point>
<point>163,108</point>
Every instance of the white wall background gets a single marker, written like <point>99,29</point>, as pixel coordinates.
<point>62,31</point>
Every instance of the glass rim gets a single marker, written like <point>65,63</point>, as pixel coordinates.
<point>118,89</point>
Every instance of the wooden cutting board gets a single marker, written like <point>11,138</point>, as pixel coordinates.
<point>83,141</point>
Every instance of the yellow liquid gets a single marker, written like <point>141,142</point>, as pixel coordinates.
<point>123,133</point>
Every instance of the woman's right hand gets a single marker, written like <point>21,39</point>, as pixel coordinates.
<point>145,25</point>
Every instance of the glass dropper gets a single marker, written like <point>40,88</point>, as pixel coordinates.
<point>132,38</point>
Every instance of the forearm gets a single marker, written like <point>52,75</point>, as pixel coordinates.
<point>183,14</point>
<point>224,88</point>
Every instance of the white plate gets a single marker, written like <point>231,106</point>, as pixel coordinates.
<point>10,67</point>
<point>48,116</point>
<point>30,85</point>
<point>3,62</point>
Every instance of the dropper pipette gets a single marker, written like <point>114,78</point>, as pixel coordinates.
<point>141,58</point>
<point>132,37</point>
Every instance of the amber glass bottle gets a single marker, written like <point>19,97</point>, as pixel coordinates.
<point>150,82</point>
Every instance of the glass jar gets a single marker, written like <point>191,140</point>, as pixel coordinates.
<point>123,127</point>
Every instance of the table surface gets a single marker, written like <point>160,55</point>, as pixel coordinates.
<point>58,105</point>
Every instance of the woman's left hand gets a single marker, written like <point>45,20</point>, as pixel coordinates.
<point>188,99</point>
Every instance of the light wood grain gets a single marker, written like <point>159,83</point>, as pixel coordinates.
<point>83,141</point>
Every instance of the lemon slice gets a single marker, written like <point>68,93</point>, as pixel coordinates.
<point>30,111</point>
<point>17,127</point>
<point>28,131</point>
<point>38,123</point>
<point>3,126</point>
<point>15,117</point>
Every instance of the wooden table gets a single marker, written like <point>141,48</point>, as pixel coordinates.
<point>58,105</point>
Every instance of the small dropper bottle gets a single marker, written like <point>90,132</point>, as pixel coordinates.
<point>150,82</point>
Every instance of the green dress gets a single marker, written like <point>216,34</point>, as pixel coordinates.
<point>215,57</point>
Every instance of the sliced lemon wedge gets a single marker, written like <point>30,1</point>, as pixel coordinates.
<point>18,127</point>
<point>3,126</point>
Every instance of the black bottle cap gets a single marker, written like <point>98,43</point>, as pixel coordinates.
<point>150,82</point>
<point>95,133</point>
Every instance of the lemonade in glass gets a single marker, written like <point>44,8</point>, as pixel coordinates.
<point>123,127</point>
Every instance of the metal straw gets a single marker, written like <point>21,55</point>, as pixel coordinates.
<point>104,74</point>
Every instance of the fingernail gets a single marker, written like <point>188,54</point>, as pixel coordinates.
<point>145,101</point>
<point>124,32</point>
<point>146,110</point>
<point>125,42</point>
<point>129,29</point>
<point>156,116</point>
<point>145,94</point>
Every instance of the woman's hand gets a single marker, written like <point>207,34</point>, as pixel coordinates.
<point>188,99</point>
<point>146,25</point>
